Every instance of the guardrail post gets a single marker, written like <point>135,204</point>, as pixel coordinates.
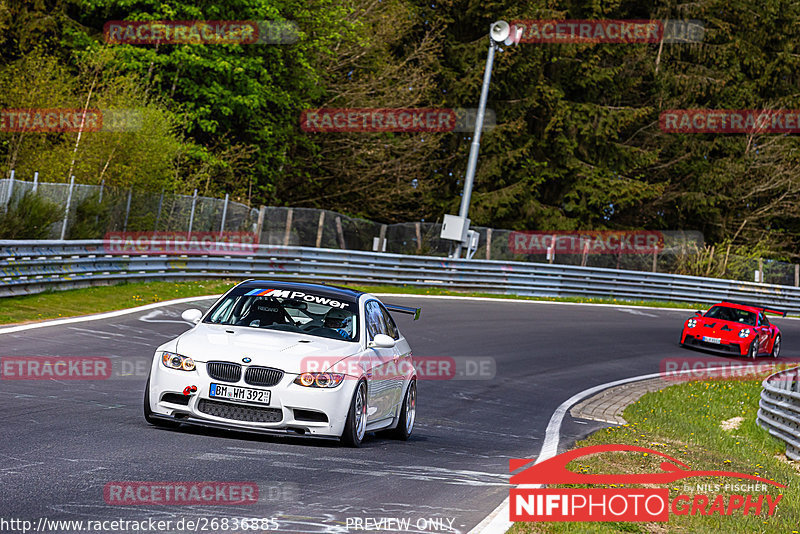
<point>287,233</point>
<point>319,228</point>
<point>488,243</point>
<point>66,210</point>
<point>224,215</point>
<point>191,216</point>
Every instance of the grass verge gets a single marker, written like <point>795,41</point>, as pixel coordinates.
<point>686,422</point>
<point>56,304</point>
<point>85,301</point>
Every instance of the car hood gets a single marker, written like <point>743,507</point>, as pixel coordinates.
<point>721,326</point>
<point>281,350</point>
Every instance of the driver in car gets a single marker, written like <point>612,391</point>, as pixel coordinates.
<point>340,321</point>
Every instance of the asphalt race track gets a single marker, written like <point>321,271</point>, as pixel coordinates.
<point>64,440</point>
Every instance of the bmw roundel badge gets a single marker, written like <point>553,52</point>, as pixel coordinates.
<point>246,360</point>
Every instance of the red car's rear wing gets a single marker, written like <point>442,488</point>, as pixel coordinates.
<point>758,307</point>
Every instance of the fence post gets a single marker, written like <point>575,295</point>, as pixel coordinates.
<point>488,243</point>
<point>10,190</point>
<point>158,214</point>
<point>35,181</point>
<point>655,259</point>
<point>340,233</point>
<point>262,211</point>
<point>760,270</point>
<point>224,215</point>
<point>102,186</point>
<point>319,227</point>
<point>797,275</point>
<point>127,209</point>
<point>585,253</point>
<point>191,216</point>
<point>419,236</point>
<point>288,231</point>
<point>382,239</point>
<point>66,210</point>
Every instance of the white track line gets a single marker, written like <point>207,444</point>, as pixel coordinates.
<point>106,315</point>
<point>497,522</point>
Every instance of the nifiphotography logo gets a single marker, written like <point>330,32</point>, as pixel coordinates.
<point>631,504</point>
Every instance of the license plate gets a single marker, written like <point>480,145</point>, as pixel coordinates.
<point>716,340</point>
<point>235,393</point>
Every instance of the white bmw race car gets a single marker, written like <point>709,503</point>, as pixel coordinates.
<point>289,358</point>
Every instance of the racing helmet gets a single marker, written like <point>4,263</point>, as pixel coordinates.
<point>339,319</point>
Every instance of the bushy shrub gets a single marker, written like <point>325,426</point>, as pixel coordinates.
<point>92,218</point>
<point>30,217</point>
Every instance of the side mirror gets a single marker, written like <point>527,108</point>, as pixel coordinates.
<point>192,315</point>
<point>382,341</point>
<point>698,312</point>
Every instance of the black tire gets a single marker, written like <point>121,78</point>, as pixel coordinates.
<point>148,413</point>
<point>408,413</point>
<point>776,347</point>
<point>752,352</point>
<point>355,426</point>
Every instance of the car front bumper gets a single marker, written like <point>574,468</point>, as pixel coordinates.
<point>292,409</point>
<point>739,347</point>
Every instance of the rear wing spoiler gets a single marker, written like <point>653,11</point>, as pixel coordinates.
<point>762,308</point>
<point>404,309</point>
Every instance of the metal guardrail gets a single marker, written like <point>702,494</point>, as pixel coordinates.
<point>779,409</point>
<point>35,266</point>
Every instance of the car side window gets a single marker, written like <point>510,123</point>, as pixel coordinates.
<point>374,319</point>
<point>762,319</point>
<point>391,327</point>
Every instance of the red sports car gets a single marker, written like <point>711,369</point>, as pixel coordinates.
<point>733,328</point>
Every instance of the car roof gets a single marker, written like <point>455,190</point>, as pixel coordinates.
<point>319,289</point>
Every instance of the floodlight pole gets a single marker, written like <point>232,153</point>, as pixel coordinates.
<point>472,163</point>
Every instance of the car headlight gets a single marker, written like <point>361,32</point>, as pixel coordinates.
<point>319,380</point>
<point>691,323</point>
<point>744,332</point>
<point>177,361</point>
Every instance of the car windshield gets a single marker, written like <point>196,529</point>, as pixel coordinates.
<point>287,311</point>
<point>735,315</point>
